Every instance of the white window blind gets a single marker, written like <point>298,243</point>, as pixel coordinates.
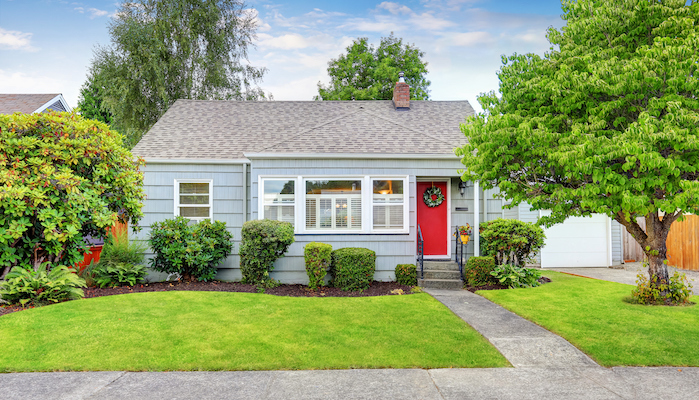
<point>194,199</point>
<point>388,202</point>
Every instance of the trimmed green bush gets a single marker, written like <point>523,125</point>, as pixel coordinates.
<point>318,259</point>
<point>191,251</point>
<point>511,241</point>
<point>264,241</point>
<point>26,286</point>
<point>353,268</point>
<point>406,274</point>
<point>477,271</point>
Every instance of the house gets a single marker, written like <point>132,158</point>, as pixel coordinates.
<point>347,173</point>
<point>32,103</point>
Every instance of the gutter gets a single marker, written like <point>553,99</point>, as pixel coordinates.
<point>382,156</point>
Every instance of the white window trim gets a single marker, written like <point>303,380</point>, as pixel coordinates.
<point>367,203</point>
<point>211,198</point>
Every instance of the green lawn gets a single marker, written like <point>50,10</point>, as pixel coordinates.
<point>240,331</point>
<point>592,315</point>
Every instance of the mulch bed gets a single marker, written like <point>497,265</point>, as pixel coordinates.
<point>375,289</point>
<point>473,289</point>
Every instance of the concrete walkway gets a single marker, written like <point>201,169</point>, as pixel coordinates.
<point>435,384</point>
<point>522,342</point>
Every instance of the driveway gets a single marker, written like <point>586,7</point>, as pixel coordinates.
<point>626,273</point>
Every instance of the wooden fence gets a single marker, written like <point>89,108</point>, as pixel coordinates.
<point>682,244</point>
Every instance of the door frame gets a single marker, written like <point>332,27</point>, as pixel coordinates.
<point>447,198</point>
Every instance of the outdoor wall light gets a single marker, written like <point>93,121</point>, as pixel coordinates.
<point>462,188</point>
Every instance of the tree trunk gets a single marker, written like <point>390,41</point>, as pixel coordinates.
<point>653,242</point>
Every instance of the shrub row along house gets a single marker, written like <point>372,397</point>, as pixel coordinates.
<point>348,173</point>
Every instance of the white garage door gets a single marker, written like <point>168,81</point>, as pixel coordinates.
<point>577,242</point>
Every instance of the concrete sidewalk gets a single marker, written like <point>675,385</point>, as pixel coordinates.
<point>436,384</point>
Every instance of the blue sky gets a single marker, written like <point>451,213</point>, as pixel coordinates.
<point>46,45</point>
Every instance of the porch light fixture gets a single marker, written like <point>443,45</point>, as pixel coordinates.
<point>462,188</point>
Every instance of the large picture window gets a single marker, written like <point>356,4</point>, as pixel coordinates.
<point>334,204</point>
<point>337,204</point>
<point>194,198</point>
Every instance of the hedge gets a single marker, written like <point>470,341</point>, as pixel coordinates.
<point>318,259</point>
<point>353,268</point>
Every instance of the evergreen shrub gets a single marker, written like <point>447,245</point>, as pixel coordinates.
<point>353,268</point>
<point>318,259</point>
<point>263,242</point>
<point>406,274</point>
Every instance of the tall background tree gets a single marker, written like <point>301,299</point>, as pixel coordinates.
<point>369,73</point>
<point>162,51</point>
<point>606,122</point>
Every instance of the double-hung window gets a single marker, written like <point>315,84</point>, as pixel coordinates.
<point>338,204</point>
<point>278,199</point>
<point>194,199</point>
<point>388,204</point>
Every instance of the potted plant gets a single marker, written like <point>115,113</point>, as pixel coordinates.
<point>464,231</point>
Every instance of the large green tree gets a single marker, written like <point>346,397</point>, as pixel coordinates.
<point>62,178</point>
<point>606,122</point>
<point>164,50</point>
<point>369,73</point>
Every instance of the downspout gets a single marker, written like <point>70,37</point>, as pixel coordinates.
<point>476,220</point>
<point>245,192</point>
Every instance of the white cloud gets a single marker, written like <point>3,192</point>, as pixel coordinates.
<point>94,12</point>
<point>427,21</point>
<point>380,25</point>
<point>284,42</point>
<point>16,40</point>
<point>470,39</point>
<point>395,8</point>
<point>318,13</point>
<point>22,82</point>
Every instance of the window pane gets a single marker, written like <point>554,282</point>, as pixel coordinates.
<point>333,187</point>
<point>194,212</point>
<point>194,199</point>
<point>388,217</point>
<point>280,213</point>
<point>388,191</point>
<point>332,204</point>
<point>194,188</point>
<point>278,191</point>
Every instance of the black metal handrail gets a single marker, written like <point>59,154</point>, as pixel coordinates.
<point>460,253</point>
<point>420,251</point>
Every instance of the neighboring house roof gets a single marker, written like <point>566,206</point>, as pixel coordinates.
<point>198,129</point>
<point>32,103</point>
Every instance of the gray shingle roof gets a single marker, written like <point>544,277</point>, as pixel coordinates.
<point>24,103</point>
<point>196,129</point>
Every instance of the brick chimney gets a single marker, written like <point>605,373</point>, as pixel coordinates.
<point>401,95</point>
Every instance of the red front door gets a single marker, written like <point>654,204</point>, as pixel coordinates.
<point>433,220</point>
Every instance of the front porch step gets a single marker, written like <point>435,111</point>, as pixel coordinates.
<point>449,284</point>
<point>442,274</point>
<point>440,265</point>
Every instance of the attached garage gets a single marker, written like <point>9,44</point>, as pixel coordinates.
<point>578,242</point>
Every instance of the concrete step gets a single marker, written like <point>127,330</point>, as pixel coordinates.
<point>449,284</point>
<point>441,274</point>
<point>440,265</point>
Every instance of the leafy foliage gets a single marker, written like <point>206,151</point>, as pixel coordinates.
<point>119,249</point>
<point>606,122</point>
<point>477,271</point>
<point>368,73</point>
<point>162,51</point>
<point>264,241</point>
<point>406,274</point>
<point>511,241</point>
<point>317,256</point>
<point>62,178</point>
<point>118,274</point>
<point>353,268</point>
<point>653,291</point>
<point>514,276</point>
<point>28,287</point>
<point>191,251</point>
